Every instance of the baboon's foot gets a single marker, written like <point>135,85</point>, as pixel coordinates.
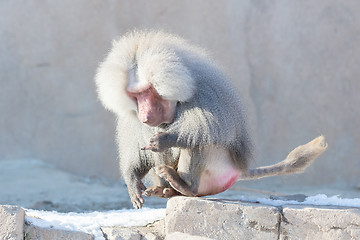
<point>172,177</point>
<point>159,191</point>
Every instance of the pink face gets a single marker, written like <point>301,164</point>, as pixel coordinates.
<point>153,110</point>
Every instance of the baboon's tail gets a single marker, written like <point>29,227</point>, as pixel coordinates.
<point>296,162</point>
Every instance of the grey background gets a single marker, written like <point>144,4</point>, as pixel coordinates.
<point>296,64</point>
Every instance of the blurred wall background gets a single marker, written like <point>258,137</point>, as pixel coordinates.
<point>296,63</point>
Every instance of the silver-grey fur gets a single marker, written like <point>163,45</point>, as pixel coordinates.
<point>208,112</point>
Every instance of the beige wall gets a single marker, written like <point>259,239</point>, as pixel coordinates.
<point>296,64</point>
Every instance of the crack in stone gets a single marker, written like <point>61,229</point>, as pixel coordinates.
<point>104,234</point>
<point>282,219</point>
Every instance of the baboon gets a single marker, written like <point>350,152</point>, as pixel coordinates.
<point>178,114</point>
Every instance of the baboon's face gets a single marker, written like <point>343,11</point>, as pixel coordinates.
<point>152,109</point>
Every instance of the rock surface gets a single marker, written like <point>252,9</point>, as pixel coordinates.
<point>153,231</point>
<point>222,219</point>
<point>204,218</point>
<point>309,222</point>
<point>120,233</point>
<point>184,236</point>
<point>11,222</point>
<point>38,233</point>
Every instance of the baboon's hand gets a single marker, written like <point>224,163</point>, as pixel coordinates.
<point>161,141</point>
<point>136,196</point>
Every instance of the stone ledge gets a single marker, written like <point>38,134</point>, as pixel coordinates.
<point>152,231</point>
<point>14,227</point>
<point>314,222</point>
<point>37,233</point>
<point>226,219</point>
<point>202,218</point>
<point>11,222</point>
<point>222,219</point>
